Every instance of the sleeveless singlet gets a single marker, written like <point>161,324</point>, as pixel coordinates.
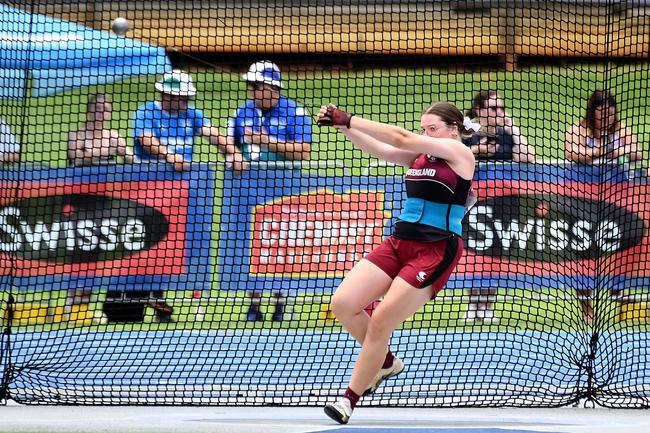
<point>436,199</point>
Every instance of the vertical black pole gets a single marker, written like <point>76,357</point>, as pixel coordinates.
<point>5,350</point>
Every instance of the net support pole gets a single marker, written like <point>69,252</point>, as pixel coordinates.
<point>5,350</point>
<point>590,365</point>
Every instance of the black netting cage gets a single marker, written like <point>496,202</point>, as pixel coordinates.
<point>174,221</point>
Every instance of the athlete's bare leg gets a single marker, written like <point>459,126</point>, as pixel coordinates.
<point>400,302</point>
<point>365,283</point>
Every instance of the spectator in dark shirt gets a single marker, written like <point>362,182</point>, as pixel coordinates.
<point>499,139</point>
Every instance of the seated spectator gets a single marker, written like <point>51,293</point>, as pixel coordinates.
<point>600,136</point>
<point>270,126</point>
<point>165,130</point>
<point>94,143</point>
<point>9,145</point>
<point>499,138</point>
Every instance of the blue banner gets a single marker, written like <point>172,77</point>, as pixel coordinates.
<point>292,230</point>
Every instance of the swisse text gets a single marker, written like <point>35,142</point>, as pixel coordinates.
<point>84,235</point>
<point>542,234</point>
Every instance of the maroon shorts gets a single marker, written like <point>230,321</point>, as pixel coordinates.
<point>420,264</point>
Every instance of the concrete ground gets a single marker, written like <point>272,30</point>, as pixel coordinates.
<point>158,419</point>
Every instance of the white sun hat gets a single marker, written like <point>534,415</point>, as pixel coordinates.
<point>264,72</point>
<point>177,83</point>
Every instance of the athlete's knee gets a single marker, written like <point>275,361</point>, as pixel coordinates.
<point>379,328</point>
<point>340,306</point>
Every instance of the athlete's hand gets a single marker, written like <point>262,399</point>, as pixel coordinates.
<point>331,116</point>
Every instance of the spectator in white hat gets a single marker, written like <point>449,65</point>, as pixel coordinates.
<point>270,126</point>
<point>166,129</point>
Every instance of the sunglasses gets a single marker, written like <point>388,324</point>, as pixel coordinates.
<point>255,86</point>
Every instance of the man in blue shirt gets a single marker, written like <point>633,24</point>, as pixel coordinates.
<point>270,126</point>
<point>166,129</point>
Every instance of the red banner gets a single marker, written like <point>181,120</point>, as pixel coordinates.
<point>540,228</point>
<point>95,229</point>
<point>316,234</point>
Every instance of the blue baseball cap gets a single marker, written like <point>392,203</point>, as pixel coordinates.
<point>264,72</point>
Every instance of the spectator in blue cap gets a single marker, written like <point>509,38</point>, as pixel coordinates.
<point>269,126</point>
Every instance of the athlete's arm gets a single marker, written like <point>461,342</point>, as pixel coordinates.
<point>457,155</point>
<point>377,148</point>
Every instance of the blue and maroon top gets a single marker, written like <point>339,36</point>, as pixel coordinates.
<point>436,199</point>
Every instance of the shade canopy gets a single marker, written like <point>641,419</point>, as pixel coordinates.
<point>41,55</point>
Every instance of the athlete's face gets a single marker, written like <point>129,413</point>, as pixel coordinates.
<point>432,126</point>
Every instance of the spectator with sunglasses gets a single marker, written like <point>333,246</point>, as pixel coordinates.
<point>269,126</point>
<point>500,139</point>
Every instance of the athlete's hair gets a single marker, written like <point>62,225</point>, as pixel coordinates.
<point>450,115</point>
<point>600,99</point>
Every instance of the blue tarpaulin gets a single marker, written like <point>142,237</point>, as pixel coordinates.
<point>47,55</point>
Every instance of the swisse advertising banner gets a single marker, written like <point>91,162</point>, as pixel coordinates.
<point>129,225</point>
<point>558,228</point>
<point>119,228</point>
<point>534,226</point>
